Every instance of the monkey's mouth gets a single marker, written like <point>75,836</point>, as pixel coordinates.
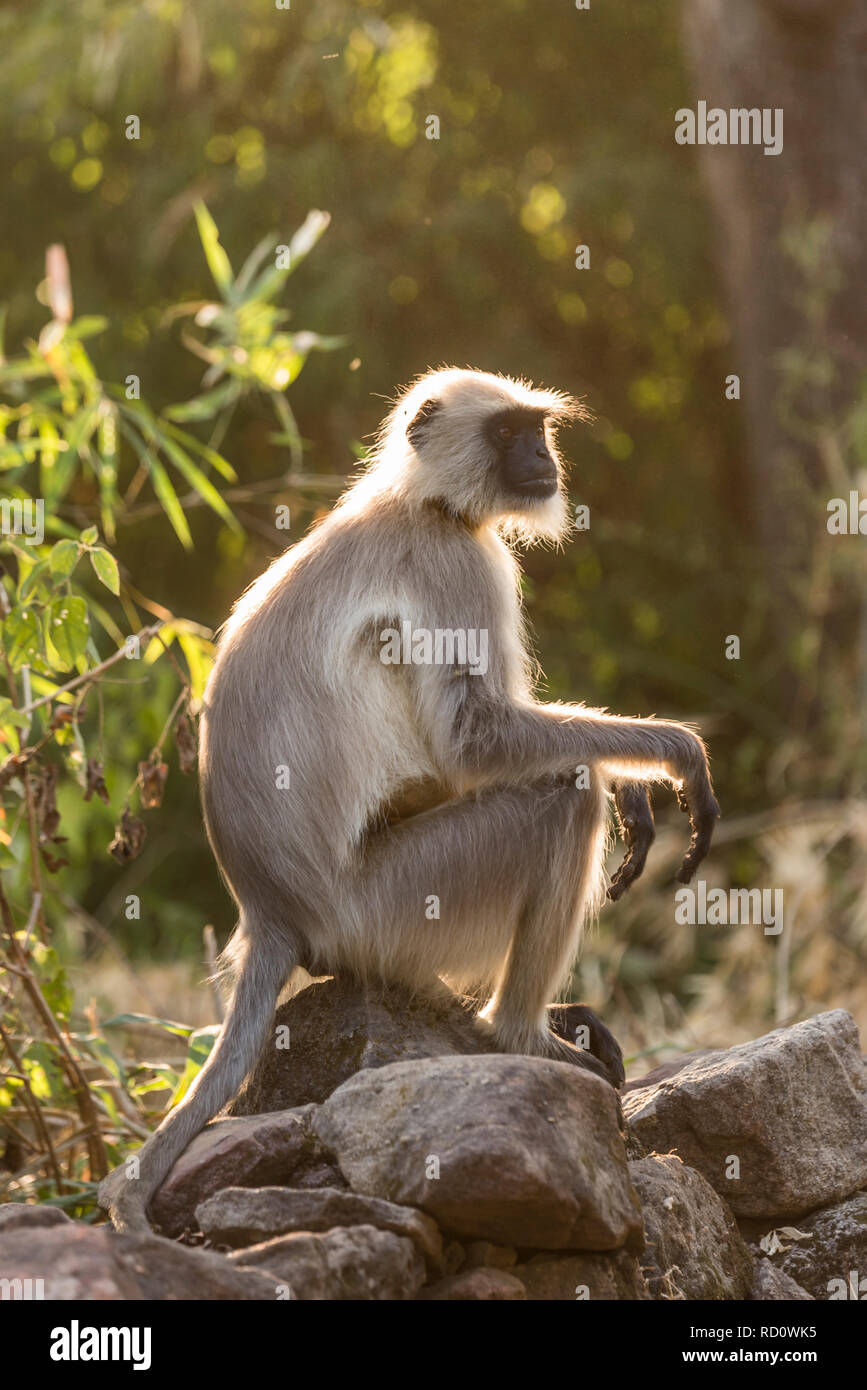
<point>537,489</point>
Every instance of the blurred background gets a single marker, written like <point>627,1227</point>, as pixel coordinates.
<point>708,514</point>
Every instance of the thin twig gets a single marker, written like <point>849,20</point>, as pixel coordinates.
<point>142,637</point>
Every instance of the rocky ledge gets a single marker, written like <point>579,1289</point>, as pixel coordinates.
<point>388,1153</point>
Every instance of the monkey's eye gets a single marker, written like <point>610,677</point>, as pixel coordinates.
<point>504,432</point>
<point>540,431</point>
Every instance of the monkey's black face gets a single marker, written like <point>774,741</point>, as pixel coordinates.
<point>527,471</point>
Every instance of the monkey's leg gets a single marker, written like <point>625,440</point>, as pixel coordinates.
<point>493,887</point>
<point>566,886</point>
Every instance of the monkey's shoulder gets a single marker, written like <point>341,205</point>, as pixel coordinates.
<point>418,552</point>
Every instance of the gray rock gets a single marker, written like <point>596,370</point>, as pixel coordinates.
<point>79,1263</point>
<point>666,1070</point>
<point>354,1263</point>
<point>516,1150</point>
<point>791,1107</point>
<point>832,1264</point>
<point>771,1284</point>
<point>693,1249</point>
<point>340,1027</point>
<point>240,1216</point>
<point>15,1215</point>
<point>244,1152</point>
<point>562,1278</point>
<point>476,1285</point>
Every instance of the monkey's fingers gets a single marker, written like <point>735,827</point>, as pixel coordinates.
<point>623,879</point>
<point>704,812</point>
<point>637,829</point>
<point>579,1024</point>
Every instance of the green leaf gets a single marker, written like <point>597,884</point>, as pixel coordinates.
<point>67,628</point>
<point>254,260</point>
<point>10,715</point>
<point>64,557</point>
<point>181,1030</point>
<point>106,622</point>
<point>204,407</point>
<point>199,657</point>
<point>99,1048</point>
<point>21,637</point>
<point>81,427</point>
<point>302,243</point>
<point>86,326</point>
<point>200,1044</point>
<point>105,568</point>
<point>218,262</point>
<point>203,486</point>
<point>223,467</point>
<point>170,503</point>
<point>37,577</point>
<point>90,536</point>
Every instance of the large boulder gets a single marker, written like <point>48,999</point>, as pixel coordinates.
<point>777,1126</point>
<point>241,1216</point>
<point>16,1215</point>
<point>338,1027</point>
<point>829,1259</point>
<point>693,1249</point>
<point>78,1263</point>
<point>354,1263</point>
<point>248,1152</point>
<point>516,1150</point>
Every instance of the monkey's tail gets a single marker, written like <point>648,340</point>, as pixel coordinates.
<point>261,963</point>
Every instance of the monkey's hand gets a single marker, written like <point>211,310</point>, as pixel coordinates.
<point>699,803</point>
<point>635,822</point>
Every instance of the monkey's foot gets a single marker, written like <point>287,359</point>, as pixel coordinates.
<point>577,1024</point>
<point>560,1051</point>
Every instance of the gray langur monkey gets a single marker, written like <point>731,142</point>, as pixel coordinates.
<point>352,773</point>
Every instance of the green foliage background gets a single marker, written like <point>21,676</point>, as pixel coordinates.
<point>556,131</point>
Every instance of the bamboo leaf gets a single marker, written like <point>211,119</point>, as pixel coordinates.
<point>218,262</point>
<point>203,485</point>
<point>170,503</point>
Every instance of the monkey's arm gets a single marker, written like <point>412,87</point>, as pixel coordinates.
<point>475,728</point>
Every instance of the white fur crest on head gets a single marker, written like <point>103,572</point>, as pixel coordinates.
<point>450,464</point>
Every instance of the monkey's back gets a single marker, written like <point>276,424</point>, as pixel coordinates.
<point>306,734</point>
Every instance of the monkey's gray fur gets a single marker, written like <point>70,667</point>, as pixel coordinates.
<point>408,781</point>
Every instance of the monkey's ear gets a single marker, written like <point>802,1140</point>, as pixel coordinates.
<point>423,415</point>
